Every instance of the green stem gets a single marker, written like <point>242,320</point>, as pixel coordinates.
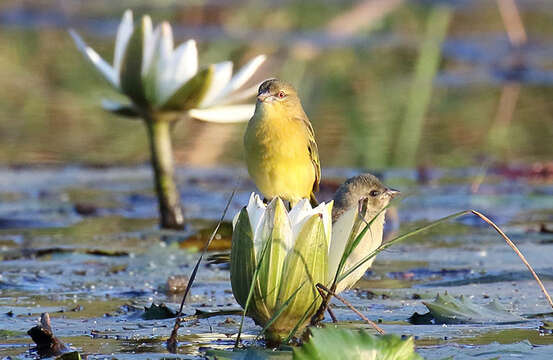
<point>159,133</point>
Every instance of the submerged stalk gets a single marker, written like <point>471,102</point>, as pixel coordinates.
<point>159,134</point>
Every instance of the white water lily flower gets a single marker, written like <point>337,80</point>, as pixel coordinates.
<point>155,75</point>
<point>291,249</point>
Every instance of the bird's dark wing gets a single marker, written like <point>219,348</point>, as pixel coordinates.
<point>313,152</point>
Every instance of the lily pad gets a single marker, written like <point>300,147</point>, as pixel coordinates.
<point>446,309</point>
<point>546,327</point>
<point>5,334</point>
<point>158,312</point>
<point>335,343</point>
<point>251,353</point>
<point>73,355</point>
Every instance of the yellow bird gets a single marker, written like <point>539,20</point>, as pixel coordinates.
<point>281,153</point>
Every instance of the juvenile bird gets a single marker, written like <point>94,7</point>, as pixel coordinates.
<point>345,210</point>
<point>281,153</point>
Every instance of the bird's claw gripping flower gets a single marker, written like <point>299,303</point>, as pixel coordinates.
<point>155,76</point>
<point>285,254</point>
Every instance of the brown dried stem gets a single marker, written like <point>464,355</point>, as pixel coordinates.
<point>517,251</point>
<point>351,307</point>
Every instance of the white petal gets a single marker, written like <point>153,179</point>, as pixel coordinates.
<point>166,41</point>
<point>284,225</point>
<point>124,33</point>
<point>220,79</point>
<point>239,96</point>
<point>150,40</point>
<point>186,64</point>
<point>326,212</point>
<point>224,114</point>
<point>182,65</point>
<point>264,228</point>
<point>152,64</point>
<point>299,214</point>
<point>164,69</point>
<point>101,65</point>
<point>243,75</point>
<point>255,209</point>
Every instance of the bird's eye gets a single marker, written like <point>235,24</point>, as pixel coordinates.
<point>281,94</point>
<point>374,193</point>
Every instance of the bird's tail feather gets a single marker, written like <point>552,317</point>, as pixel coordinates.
<point>313,200</point>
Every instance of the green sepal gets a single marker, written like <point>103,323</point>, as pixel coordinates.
<point>242,258</point>
<point>117,108</point>
<point>307,261</point>
<point>131,67</point>
<point>191,93</point>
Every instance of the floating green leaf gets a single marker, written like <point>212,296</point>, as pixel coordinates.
<point>73,355</point>
<point>249,354</point>
<point>446,309</point>
<point>5,334</point>
<point>156,312</point>
<point>546,327</point>
<point>334,343</point>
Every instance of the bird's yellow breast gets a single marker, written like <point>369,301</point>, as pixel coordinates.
<point>277,155</point>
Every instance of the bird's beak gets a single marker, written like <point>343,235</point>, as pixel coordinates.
<point>264,97</point>
<point>392,193</point>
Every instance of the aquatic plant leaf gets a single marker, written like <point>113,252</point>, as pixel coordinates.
<point>222,240</point>
<point>446,309</point>
<point>493,351</point>
<point>73,355</point>
<point>249,354</point>
<point>191,92</point>
<point>242,266</point>
<point>334,343</point>
<point>399,239</point>
<point>546,326</point>
<point>157,312</point>
<point>4,334</point>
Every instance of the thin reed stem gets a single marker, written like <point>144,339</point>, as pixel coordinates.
<point>352,308</point>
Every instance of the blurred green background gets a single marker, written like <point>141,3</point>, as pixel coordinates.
<point>371,75</point>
